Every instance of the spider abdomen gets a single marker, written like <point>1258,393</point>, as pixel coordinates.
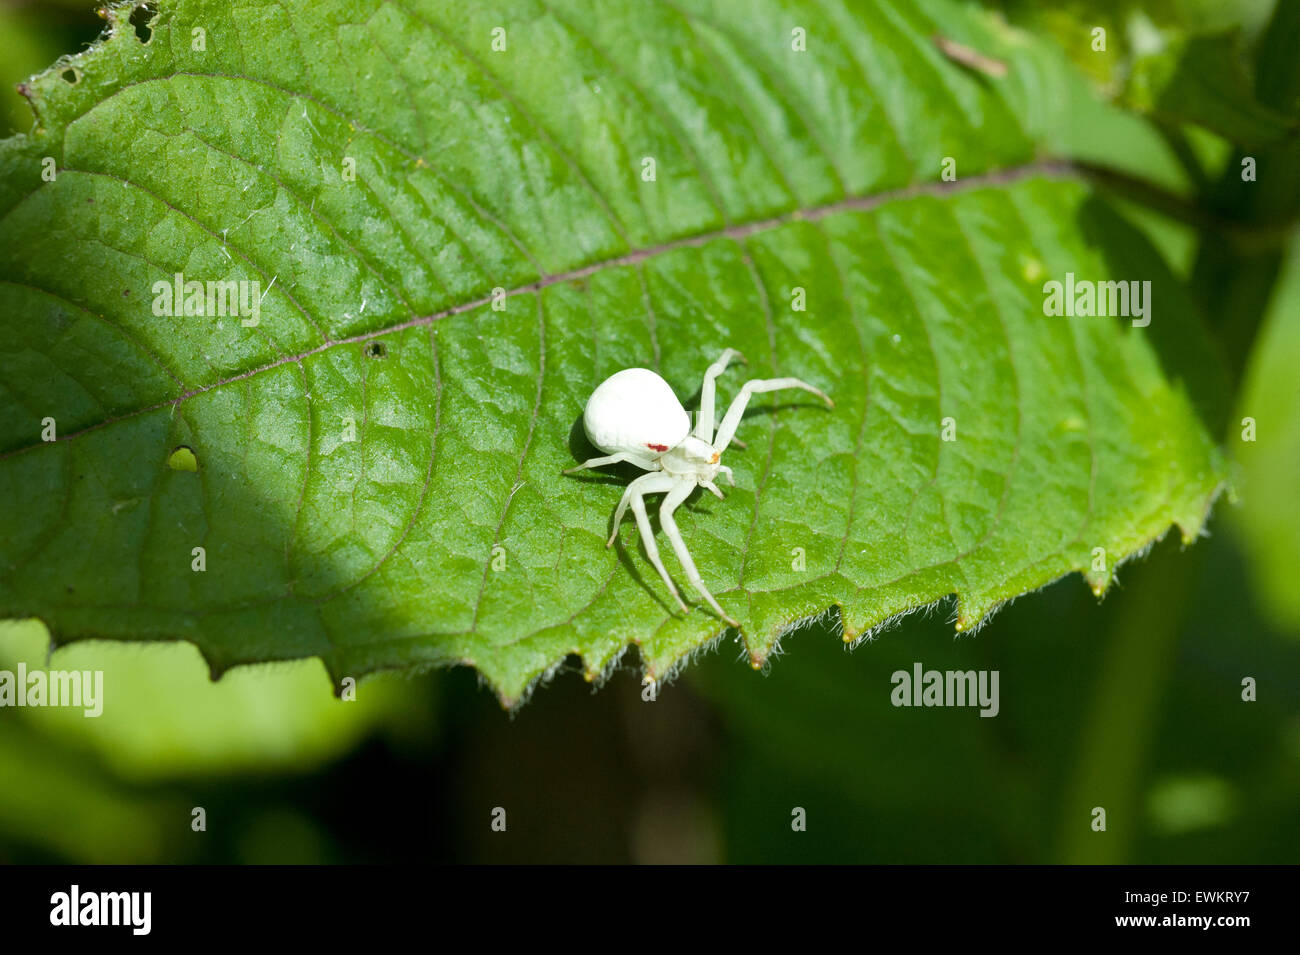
<point>634,411</point>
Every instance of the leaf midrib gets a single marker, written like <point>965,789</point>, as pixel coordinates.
<point>1045,168</point>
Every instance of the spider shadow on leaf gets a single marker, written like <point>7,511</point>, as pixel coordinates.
<point>581,449</point>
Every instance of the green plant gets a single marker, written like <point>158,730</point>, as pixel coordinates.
<point>452,234</point>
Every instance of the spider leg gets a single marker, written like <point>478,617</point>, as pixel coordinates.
<point>757,386</point>
<point>722,468</point>
<point>734,440</point>
<point>712,489</point>
<point>609,459</point>
<point>675,497</point>
<point>635,495</point>
<point>704,422</point>
<point>639,486</point>
<point>619,511</point>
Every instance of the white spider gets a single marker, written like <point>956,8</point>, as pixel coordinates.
<point>634,416</point>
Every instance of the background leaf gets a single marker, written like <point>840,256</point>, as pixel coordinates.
<point>1270,525</point>
<point>1203,81</point>
<point>521,170</point>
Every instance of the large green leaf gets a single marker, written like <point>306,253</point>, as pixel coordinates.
<point>445,533</point>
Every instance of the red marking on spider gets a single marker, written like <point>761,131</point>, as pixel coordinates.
<point>657,447</point>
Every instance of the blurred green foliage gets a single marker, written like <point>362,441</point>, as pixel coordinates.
<point>1134,705</point>
<point>32,36</point>
<point>1268,517</point>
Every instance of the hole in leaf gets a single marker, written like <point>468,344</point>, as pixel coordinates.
<point>71,76</point>
<point>183,459</point>
<point>376,350</point>
<point>140,18</point>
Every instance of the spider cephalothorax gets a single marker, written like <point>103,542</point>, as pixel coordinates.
<point>633,415</point>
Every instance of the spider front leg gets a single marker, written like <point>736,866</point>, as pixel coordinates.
<point>756,386</point>
<point>734,440</point>
<point>675,497</point>
<point>635,496</point>
<point>705,422</point>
